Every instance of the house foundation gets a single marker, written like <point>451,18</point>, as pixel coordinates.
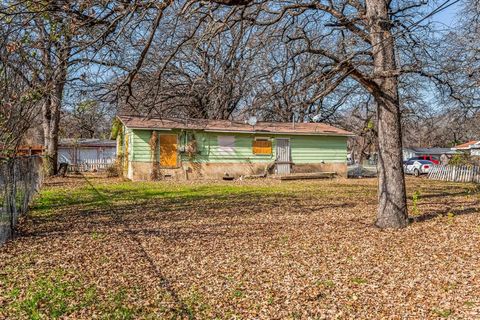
<point>142,171</point>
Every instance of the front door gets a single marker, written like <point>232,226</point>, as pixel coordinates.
<point>283,156</point>
<point>168,150</point>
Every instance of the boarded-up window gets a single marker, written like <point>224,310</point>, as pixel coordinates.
<point>168,150</point>
<point>226,145</point>
<point>262,146</point>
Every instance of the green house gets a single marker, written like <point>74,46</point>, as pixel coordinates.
<point>150,148</point>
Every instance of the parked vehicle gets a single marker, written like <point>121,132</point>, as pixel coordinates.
<point>425,157</point>
<point>417,167</point>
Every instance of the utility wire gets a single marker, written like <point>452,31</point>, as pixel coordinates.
<point>446,4</point>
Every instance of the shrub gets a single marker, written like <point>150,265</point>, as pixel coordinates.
<point>460,159</point>
<point>113,170</point>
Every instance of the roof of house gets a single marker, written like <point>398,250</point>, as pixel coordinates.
<point>149,123</point>
<point>431,151</point>
<point>474,144</point>
<point>88,143</point>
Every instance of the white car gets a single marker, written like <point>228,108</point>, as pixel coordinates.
<point>417,167</point>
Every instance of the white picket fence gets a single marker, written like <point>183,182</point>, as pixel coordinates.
<point>455,173</point>
<point>91,165</point>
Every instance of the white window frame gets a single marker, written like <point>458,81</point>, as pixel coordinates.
<point>228,149</point>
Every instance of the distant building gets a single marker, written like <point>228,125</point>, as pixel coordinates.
<point>434,152</point>
<point>472,148</point>
<point>78,151</point>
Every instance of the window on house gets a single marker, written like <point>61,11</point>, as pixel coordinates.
<point>262,146</point>
<point>226,145</point>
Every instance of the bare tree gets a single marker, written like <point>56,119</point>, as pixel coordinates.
<point>284,60</point>
<point>20,92</point>
<point>55,39</point>
<point>355,41</point>
<point>200,74</point>
<point>87,119</point>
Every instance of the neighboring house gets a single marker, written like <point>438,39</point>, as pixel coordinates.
<point>434,152</point>
<point>78,151</point>
<point>198,148</point>
<point>472,148</point>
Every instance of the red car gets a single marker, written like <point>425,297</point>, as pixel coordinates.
<point>426,157</point>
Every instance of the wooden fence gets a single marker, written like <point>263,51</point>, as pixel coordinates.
<point>91,165</point>
<point>455,173</point>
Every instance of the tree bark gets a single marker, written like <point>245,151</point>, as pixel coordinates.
<point>392,208</point>
<point>51,125</point>
<point>51,118</point>
<point>46,124</point>
<point>56,70</point>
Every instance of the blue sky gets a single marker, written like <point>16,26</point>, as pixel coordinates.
<point>448,16</point>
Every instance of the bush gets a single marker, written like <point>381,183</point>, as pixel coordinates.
<point>460,159</point>
<point>113,170</point>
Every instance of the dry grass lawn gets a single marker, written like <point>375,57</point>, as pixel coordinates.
<point>242,250</point>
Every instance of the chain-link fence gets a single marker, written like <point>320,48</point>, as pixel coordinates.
<point>20,179</point>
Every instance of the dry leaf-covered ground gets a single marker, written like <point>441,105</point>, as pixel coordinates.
<point>244,249</point>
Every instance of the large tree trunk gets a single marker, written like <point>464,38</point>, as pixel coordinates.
<point>56,70</point>
<point>51,125</point>
<point>392,208</point>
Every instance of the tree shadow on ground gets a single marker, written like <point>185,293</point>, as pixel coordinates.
<point>444,213</point>
<point>435,192</point>
<point>158,214</point>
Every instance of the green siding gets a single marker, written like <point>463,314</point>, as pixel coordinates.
<point>209,149</point>
<point>140,145</point>
<point>305,149</point>
<point>315,149</point>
